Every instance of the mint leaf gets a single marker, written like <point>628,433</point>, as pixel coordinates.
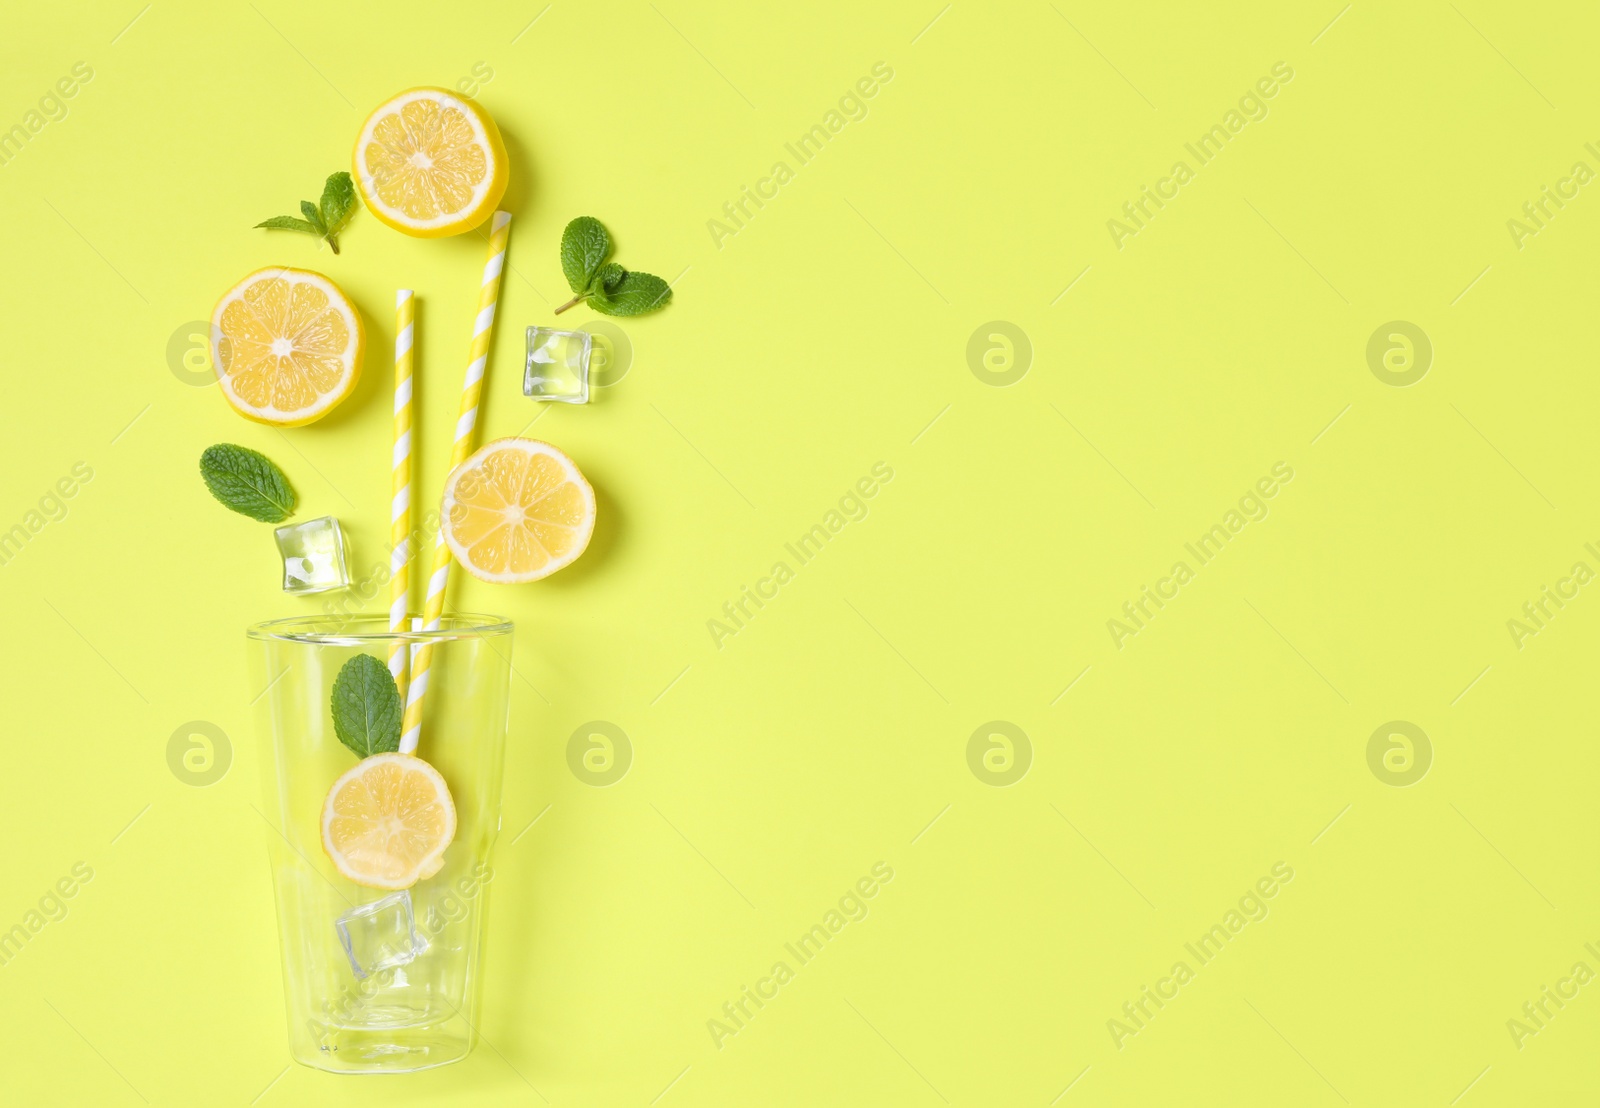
<point>584,246</point>
<point>338,205</point>
<point>247,482</point>
<point>366,707</point>
<point>636,294</point>
<point>338,201</point>
<point>607,277</point>
<point>287,223</point>
<point>313,216</point>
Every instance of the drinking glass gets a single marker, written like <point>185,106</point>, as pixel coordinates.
<point>377,981</point>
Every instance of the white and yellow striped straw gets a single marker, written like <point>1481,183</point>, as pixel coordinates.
<point>400,505</point>
<point>466,428</point>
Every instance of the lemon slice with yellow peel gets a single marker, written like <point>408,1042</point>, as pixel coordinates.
<point>516,511</point>
<point>286,345</point>
<point>430,163</point>
<point>386,823</point>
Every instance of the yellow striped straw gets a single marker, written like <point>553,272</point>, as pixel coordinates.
<point>466,428</point>
<point>400,505</point>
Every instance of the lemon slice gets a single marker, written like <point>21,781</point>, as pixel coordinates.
<point>386,823</point>
<point>286,344</point>
<point>430,163</point>
<point>516,511</point>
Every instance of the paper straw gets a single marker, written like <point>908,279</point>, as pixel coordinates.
<point>400,505</point>
<point>466,428</point>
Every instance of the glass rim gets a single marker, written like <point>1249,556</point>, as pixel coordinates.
<point>363,628</point>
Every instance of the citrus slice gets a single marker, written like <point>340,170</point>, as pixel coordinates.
<point>286,344</point>
<point>516,511</point>
<point>386,823</point>
<point>430,163</point>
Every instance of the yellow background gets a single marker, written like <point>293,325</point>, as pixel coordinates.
<point>826,336</point>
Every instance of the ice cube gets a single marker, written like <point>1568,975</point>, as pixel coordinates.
<point>380,935</point>
<point>558,365</point>
<point>313,556</point>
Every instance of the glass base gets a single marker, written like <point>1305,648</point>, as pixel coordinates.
<point>394,1040</point>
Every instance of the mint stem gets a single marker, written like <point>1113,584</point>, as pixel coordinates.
<point>573,303</point>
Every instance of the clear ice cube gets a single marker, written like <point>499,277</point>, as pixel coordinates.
<point>380,935</point>
<point>558,365</point>
<point>313,556</point>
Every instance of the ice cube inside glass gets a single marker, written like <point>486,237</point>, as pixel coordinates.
<point>314,557</point>
<point>380,935</point>
<point>558,365</point>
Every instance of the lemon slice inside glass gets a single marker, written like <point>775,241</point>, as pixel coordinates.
<point>386,822</point>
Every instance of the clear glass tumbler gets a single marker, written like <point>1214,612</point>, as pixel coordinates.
<point>377,981</point>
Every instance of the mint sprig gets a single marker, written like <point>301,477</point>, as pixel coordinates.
<point>324,220</point>
<point>247,482</point>
<point>366,707</point>
<point>609,288</point>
